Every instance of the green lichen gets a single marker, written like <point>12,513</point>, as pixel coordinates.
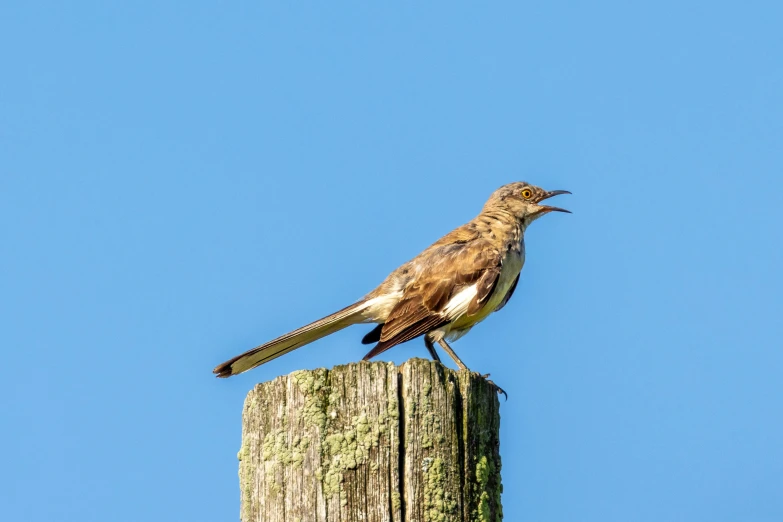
<point>314,386</point>
<point>278,452</point>
<point>342,449</point>
<point>396,500</point>
<point>277,449</point>
<point>345,443</point>
<point>393,410</point>
<point>432,430</point>
<point>439,506</point>
<point>245,480</point>
<point>243,453</point>
<point>483,470</point>
<point>348,449</point>
<point>484,421</point>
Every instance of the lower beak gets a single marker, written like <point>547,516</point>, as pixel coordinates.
<point>547,208</point>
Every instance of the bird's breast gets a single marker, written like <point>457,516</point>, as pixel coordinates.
<point>510,269</point>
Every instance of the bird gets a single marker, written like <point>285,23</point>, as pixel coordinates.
<point>440,294</point>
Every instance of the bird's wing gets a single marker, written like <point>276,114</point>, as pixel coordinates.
<point>456,278</point>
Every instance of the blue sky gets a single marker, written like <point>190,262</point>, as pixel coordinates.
<point>182,181</point>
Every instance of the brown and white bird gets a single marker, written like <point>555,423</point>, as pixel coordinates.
<point>440,294</point>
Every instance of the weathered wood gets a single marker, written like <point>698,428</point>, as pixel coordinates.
<point>371,442</point>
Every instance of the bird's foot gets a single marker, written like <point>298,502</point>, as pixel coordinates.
<point>497,388</point>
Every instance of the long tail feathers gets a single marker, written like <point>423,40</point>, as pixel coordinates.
<point>291,341</point>
<point>373,336</point>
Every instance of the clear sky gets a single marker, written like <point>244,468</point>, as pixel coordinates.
<point>182,181</point>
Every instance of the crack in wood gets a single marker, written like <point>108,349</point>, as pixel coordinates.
<point>371,442</point>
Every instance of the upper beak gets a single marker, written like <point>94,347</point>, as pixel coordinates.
<point>547,208</point>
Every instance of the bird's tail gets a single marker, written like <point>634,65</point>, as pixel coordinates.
<point>292,340</point>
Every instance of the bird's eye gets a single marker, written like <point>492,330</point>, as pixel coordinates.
<point>527,193</point>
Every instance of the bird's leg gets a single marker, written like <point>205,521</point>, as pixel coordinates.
<point>431,349</point>
<point>443,344</point>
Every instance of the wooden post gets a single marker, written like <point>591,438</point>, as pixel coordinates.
<point>371,442</point>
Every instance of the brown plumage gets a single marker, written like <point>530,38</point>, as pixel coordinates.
<point>441,293</point>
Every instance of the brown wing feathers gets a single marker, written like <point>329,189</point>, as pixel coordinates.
<point>408,320</point>
<point>484,288</point>
<point>455,266</point>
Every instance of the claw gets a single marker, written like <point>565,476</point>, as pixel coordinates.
<point>497,388</point>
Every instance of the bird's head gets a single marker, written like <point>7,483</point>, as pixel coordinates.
<point>523,200</point>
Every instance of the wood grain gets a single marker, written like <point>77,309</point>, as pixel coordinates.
<point>371,442</point>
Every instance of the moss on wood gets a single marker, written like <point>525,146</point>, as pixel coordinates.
<point>372,442</point>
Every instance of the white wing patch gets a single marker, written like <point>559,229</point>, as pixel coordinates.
<point>458,305</point>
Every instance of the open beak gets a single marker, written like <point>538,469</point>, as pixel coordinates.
<point>547,208</point>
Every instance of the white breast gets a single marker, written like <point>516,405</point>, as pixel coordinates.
<point>512,265</point>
